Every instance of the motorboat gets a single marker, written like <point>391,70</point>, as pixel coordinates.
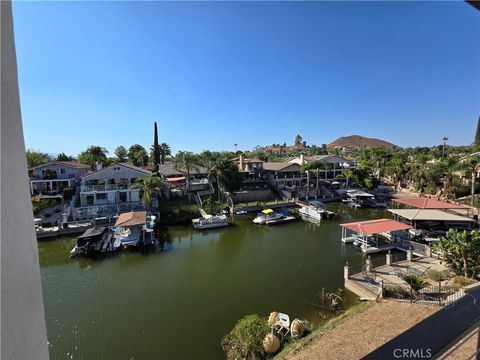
<point>133,229</point>
<point>92,240</point>
<point>241,212</point>
<point>267,215</point>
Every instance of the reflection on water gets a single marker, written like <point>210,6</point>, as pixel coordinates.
<point>179,302</point>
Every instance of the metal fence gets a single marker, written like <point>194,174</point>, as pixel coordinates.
<point>440,294</point>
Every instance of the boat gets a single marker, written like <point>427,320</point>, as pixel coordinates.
<point>267,215</point>
<point>92,240</point>
<point>315,210</point>
<point>363,239</point>
<point>134,228</point>
<point>210,221</point>
<point>359,198</point>
<point>241,212</point>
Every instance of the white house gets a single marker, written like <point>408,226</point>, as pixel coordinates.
<point>108,191</point>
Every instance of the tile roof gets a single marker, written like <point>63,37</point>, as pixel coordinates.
<point>377,226</point>
<point>132,218</point>
<point>168,169</point>
<point>276,166</point>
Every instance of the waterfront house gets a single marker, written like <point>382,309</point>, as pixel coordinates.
<point>49,180</point>
<point>178,177</point>
<point>289,179</point>
<point>107,191</point>
<point>255,182</point>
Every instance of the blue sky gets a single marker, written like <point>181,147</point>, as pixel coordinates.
<point>213,74</point>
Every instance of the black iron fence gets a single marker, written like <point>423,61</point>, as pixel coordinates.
<point>440,294</point>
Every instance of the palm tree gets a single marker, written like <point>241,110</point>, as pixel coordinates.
<point>471,163</point>
<point>444,139</point>
<point>165,151</point>
<point>150,188</point>
<point>415,282</point>
<point>186,161</point>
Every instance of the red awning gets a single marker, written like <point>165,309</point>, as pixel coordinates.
<point>176,179</point>
<point>375,226</point>
<point>427,203</point>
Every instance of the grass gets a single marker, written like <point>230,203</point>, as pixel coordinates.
<point>255,203</point>
<point>299,344</point>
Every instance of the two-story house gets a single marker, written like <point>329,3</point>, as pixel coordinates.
<point>49,180</point>
<point>108,191</point>
<point>255,185</point>
<point>289,179</point>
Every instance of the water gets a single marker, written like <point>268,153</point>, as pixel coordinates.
<point>177,304</point>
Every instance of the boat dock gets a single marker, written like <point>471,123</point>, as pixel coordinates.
<point>281,220</point>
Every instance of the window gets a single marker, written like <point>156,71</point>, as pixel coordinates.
<point>62,171</point>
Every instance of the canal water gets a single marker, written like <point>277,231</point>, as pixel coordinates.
<point>178,303</point>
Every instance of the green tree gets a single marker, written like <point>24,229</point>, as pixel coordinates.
<point>63,157</point>
<point>461,250</point>
<point>444,139</point>
<point>137,155</point>
<point>298,140</point>
<point>245,340</point>
<point>36,158</point>
<point>150,188</point>
<point>121,154</point>
<point>415,282</point>
<point>92,155</point>
<point>186,161</point>
<point>470,164</point>
<point>227,175</point>
<point>164,151</point>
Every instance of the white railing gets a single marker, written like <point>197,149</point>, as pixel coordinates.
<point>107,187</point>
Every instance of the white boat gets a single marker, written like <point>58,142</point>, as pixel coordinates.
<point>210,222</point>
<point>90,241</point>
<point>133,229</point>
<point>241,212</point>
<point>315,210</point>
<point>267,215</point>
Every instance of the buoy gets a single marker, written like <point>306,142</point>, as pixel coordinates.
<point>272,319</point>
<point>271,343</point>
<point>297,328</point>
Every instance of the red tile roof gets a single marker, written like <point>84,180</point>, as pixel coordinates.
<point>375,226</point>
<point>427,203</point>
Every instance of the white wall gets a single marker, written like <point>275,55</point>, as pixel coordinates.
<point>23,333</point>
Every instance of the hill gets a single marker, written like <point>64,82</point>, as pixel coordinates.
<point>357,141</point>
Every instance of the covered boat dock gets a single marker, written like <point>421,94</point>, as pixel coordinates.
<point>427,218</point>
<point>432,204</point>
<point>363,230</point>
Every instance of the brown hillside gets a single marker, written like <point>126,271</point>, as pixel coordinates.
<point>356,141</point>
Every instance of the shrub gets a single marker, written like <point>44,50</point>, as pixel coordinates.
<point>436,275</point>
<point>459,281</point>
<point>244,341</point>
<point>395,291</point>
<point>47,215</point>
<point>415,282</point>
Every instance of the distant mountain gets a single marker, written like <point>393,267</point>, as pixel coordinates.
<point>357,141</point>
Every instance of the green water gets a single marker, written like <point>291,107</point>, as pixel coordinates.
<point>177,304</point>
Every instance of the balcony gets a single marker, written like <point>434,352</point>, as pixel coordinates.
<point>106,187</point>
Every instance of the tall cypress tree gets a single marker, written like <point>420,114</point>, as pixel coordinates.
<point>156,149</point>
<point>476,142</point>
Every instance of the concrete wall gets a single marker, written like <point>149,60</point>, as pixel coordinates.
<point>23,333</point>
<point>253,195</point>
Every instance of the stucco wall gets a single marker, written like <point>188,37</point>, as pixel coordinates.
<point>23,333</point>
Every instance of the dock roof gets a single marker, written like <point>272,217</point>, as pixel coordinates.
<point>427,203</point>
<point>429,215</point>
<point>132,218</point>
<point>376,226</point>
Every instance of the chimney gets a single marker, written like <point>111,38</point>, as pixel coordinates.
<point>302,159</point>
<point>240,162</point>
<point>98,165</point>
